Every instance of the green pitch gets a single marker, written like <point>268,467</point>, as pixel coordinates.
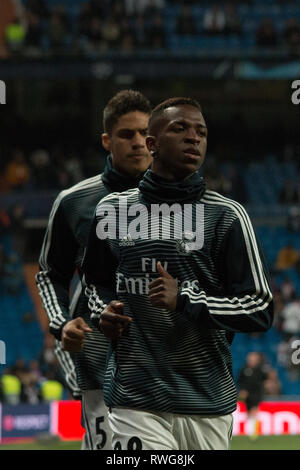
<point>266,443</point>
<point>51,445</point>
<point>238,443</point>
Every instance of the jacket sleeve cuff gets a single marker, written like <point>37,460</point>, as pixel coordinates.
<point>57,332</point>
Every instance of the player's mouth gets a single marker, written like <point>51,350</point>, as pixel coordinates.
<point>192,153</point>
<point>137,155</point>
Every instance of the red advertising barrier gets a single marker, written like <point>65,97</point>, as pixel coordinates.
<point>274,418</point>
<point>63,419</point>
<point>281,417</point>
<point>66,417</point>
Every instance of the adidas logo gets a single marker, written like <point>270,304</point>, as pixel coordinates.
<point>127,241</point>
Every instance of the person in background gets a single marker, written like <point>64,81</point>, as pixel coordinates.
<point>287,257</point>
<point>214,20</point>
<point>272,384</point>
<point>251,379</point>
<point>17,172</point>
<point>266,34</point>
<point>233,23</point>
<point>186,25</point>
<point>291,34</point>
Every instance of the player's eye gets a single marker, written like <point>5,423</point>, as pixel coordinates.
<point>126,133</point>
<point>144,132</point>
<point>178,128</point>
<point>201,132</point>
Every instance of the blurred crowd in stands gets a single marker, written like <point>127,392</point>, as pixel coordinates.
<point>59,168</point>
<point>287,308</point>
<point>38,381</point>
<point>11,272</point>
<point>42,169</point>
<point>97,26</point>
<point>12,227</point>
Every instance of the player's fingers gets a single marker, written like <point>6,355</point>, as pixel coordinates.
<point>157,296</point>
<point>72,346</point>
<point>116,303</point>
<point>115,318</point>
<point>157,300</point>
<point>82,325</point>
<point>110,330</point>
<point>74,333</point>
<point>156,290</point>
<point>116,306</point>
<point>157,282</point>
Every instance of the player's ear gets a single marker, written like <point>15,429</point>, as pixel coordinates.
<point>106,141</point>
<point>151,144</point>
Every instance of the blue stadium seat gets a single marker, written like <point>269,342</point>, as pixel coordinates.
<point>243,11</point>
<point>170,25</point>
<point>233,41</point>
<point>248,40</point>
<point>21,339</point>
<point>171,11</point>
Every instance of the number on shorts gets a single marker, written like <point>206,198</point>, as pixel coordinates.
<point>100,432</point>
<point>134,443</point>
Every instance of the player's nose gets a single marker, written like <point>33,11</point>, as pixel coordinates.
<point>138,141</point>
<point>192,136</point>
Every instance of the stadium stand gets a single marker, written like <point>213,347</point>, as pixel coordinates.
<point>21,328</point>
<point>64,27</point>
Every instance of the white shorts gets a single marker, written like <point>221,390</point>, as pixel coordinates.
<point>144,430</point>
<point>95,421</point>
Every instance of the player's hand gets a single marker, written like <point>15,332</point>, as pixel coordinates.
<point>73,335</point>
<point>112,321</point>
<point>164,290</point>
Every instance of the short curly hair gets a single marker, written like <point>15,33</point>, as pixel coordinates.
<point>125,101</point>
<point>169,103</point>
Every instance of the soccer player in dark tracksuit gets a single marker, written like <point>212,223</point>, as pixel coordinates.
<point>80,348</point>
<point>184,274</point>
